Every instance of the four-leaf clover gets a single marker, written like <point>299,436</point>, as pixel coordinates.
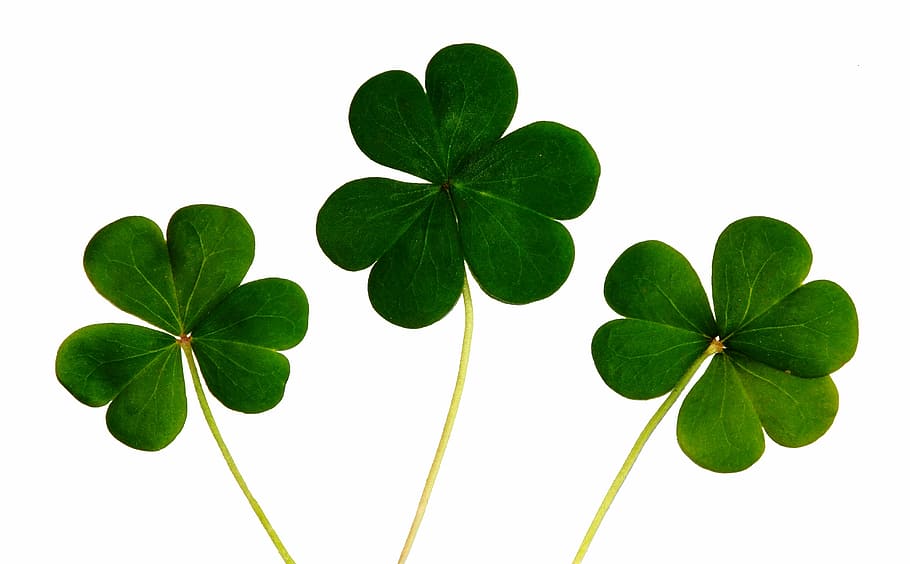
<point>489,201</point>
<point>188,286</point>
<point>777,341</point>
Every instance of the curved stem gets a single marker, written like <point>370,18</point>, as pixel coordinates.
<point>207,412</point>
<point>450,422</point>
<point>713,348</point>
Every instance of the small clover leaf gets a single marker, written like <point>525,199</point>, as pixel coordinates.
<point>776,341</point>
<point>190,287</point>
<point>490,201</point>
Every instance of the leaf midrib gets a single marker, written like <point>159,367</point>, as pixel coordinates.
<point>154,353</point>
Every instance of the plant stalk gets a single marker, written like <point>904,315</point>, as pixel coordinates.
<point>450,422</point>
<point>207,412</point>
<point>715,347</point>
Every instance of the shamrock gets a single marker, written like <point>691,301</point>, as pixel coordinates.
<point>774,341</point>
<point>188,286</point>
<point>488,200</point>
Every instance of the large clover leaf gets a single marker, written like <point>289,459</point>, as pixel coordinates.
<point>188,286</point>
<point>777,340</point>
<point>489,201</point>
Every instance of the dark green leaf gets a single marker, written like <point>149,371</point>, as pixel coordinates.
<point>642,359</point>
<point>473,93</point>
<point>96,362</point>
<point>794,411</point>
<point>503,195</point>
<point>757,261</point>
<point>150,412</point>
<point>393,124</point>
<point>243,377</point>
<point>811,332</point>
<point>361,220</point>
<point>654,282</point>
<point>211,249</point>
<point>270,313</point>
<point>420,278</point>
<point>127,262</point>
<point>137,370</point>
<point>545,166</point>
<point>517,255</point>
<point>717,426</point>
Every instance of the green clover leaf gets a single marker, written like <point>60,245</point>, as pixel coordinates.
<point>774,341</point>
<point>189,287</point>
<point>488,200</point>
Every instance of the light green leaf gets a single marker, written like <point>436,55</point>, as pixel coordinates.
<point>653,281</point>
<point>642,359</point>
<point>776,345</point>
<point>271,313</point>
<point>794,411</point>
<point>717,426</point>
<point>811,332</point>
<point>244,377</point>
<point>757,261</point>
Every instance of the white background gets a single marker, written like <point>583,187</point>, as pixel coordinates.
<point>701,113</point>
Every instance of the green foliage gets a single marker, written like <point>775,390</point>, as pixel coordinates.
<point>781,340</point>
<point>188,286</point>
<point>488,200</point>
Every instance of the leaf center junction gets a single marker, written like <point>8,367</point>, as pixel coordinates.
<point>716,346</point>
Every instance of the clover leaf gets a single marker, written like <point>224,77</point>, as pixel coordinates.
<point>488,200</point>
<point>189,287</point>
<point>776,341</point>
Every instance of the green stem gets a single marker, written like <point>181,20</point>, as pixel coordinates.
<point>450,422</point>
<point>713,348</point>
<point>207,412</point>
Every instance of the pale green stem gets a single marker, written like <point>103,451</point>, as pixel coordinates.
<point>207,412</point>
<point>450,422</point>
<point>713,348</point>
